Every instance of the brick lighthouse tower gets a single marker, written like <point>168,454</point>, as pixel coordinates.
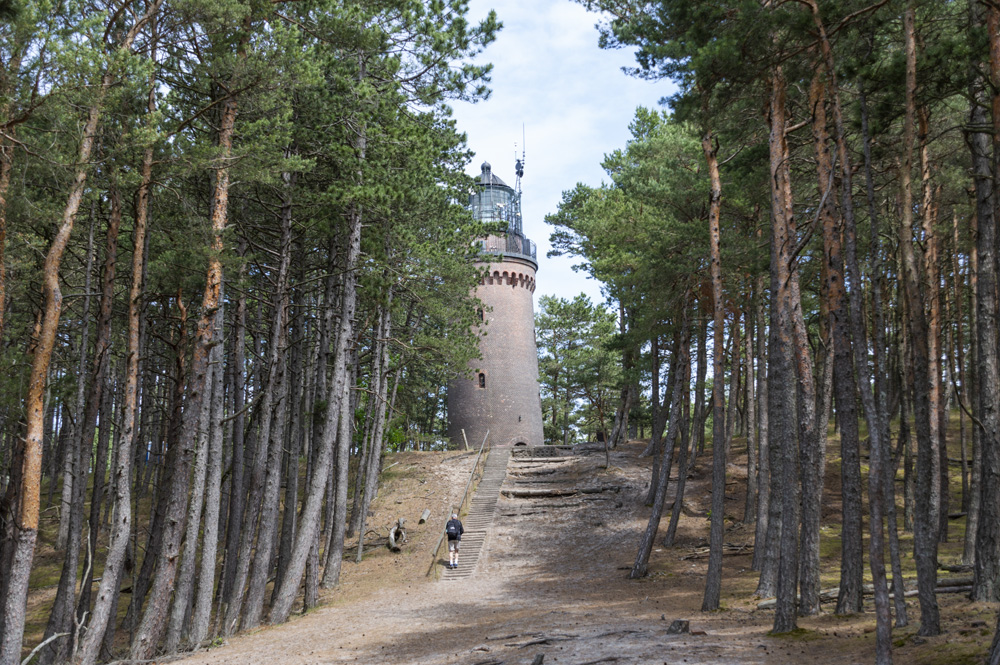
<point>502,395</point>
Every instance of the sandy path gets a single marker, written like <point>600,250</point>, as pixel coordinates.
<point>552,581</point>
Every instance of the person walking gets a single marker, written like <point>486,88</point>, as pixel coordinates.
<point>454,529</point>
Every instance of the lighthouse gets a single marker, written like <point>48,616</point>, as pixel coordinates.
<point>501,395</point>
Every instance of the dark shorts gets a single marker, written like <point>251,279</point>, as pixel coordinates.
<point>453,545</point>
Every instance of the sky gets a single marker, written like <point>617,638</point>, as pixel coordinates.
<point>574,103</point>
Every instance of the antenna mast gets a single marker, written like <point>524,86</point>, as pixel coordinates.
<point>519,164</point>
<point>519,172</point>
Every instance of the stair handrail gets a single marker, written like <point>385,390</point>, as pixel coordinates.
<point>462,504</point>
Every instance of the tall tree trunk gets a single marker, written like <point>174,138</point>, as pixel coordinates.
<point>184,585</point>
<point>98,398</point>
<point>335,446</point>
<point>959,384</point>
<point>928,210</point>
<point>781,366</point>
<point>380,398</point>
<point>986,579</point>
<point>74,488</point>
<point>210,540</point>
<point>640,567</point>
<point>925,522</point>
<point>686,446</point>
<point>237,482</point>
<point>293,451</point>
<point>265,454</point>
<point>734,381</point>
<point>107,595</point>
<point>975,479</point>
<point>876,407</point>
<point>656,441</point>
<point>713,580</point>
<point>335,551</point>
<point>273,438</point>
<point>154,620</point>
<point>654,394</point>
<point>763,442</point>
<point>753,475</point>
<point>26,520</point>
<point>849,599</point>
<point>700,410</point>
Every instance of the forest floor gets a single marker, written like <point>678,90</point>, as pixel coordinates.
<point>552,580</point>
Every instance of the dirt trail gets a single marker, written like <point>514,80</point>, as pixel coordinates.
<point>552,580</point>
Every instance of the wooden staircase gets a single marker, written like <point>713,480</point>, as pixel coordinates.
<point>480,516</point>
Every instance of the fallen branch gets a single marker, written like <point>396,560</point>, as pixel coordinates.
<point>727,550</point>
<point>541,640</point>
<point>42,645</point>
<point>830,595</point>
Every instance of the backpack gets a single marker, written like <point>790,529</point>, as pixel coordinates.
<point>452,529</point>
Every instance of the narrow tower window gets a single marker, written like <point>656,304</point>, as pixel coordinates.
<point>482,380</point>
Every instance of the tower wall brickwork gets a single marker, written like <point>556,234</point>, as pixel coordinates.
<point>502,395</point>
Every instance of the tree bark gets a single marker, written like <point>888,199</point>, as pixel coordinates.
<point>656,441</point>
<point>237,482</point>
<point>928,216</point>
<point>734,381</point>
<point>74,490</point>
<point>877,409</point>
<point>753,475</point>
<point>640,567</point>
<point>850,597</point>
<point>700,410</point>
<point>975,477</point>
<point>713,580</point>
<point>925,518</point>
<point>26,520</point>
<point>273,440</point>
<point>686,446</point>
<point>335,446</point>
<point>107,594</point>
<point>206,582</point>
<point>986,582</point>
<point>782,370</point>
<point>155,617</point>
<point>763,443</point>
<point>380,402</point>
<point>98,398</point>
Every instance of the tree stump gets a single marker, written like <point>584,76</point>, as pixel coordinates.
<point>397,535</point>
<point>678,627</point>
